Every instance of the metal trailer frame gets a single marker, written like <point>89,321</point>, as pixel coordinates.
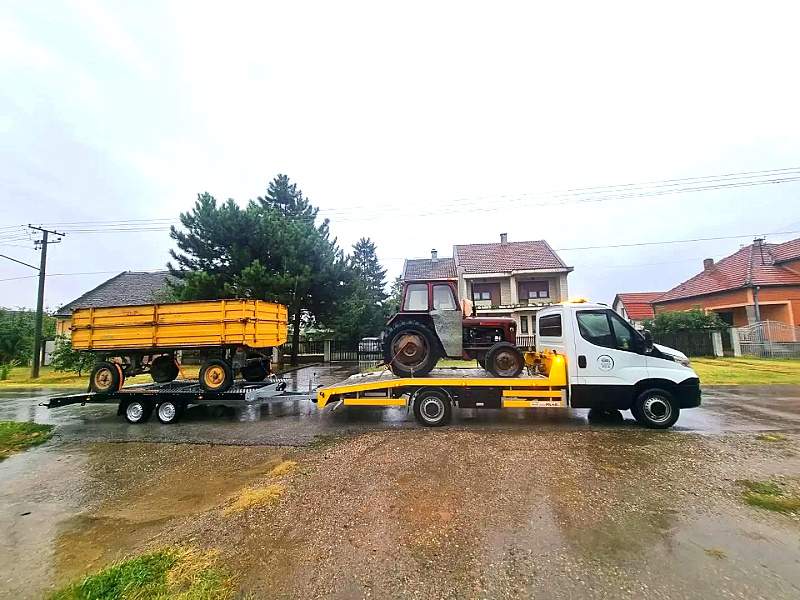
<point>246,398</point>
<point>467,388</point>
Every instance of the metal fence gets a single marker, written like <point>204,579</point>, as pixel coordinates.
<point>692,342</point>
<point>769,339</point>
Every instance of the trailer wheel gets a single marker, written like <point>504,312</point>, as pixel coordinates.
<point>256,370</point>
<point>169,412</point>
<point>105,378</point>
<point>656,408</point>
<point>216,375</point>
<point>504,360</point>
<point>137,412</point>
<point>432,408</point>
<point>410,349</point>
<point>163,369</point>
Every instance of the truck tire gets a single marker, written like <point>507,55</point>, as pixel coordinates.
<point>216,375</point>
<point>105,378</point>
<point>164,369</point>
<point>410,349</point>
<point>432,408</point>
<point>256,371</point>
<point>504,360</point>
<point>137,412</point>
<point>169,412</point>
<point>656,408</point>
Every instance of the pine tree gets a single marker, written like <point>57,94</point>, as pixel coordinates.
<point>364,262</point>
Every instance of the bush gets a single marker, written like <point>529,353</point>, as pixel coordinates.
<point>690,320</point>
<point>64,358</point>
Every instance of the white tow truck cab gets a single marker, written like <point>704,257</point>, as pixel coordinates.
<point>587,356</point>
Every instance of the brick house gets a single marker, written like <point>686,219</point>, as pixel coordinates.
<point>505,278</point>
<point>635,307</point>
<point>127,288</point>
<point>760,282</point>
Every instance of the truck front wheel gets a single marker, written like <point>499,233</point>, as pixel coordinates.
<point>410,349</point>
<point>656,408</point>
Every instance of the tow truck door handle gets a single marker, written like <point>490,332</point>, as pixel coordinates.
<point>582,361</point>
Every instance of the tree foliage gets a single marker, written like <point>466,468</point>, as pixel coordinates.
<point>273,250</point>
<point>65,358</point>
<point>670,322</point>
<point>16,334</point>
<point>362,307</point>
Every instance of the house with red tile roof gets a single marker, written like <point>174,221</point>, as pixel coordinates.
<point>503,278</point>
<point>760,282</point>
<point>636,307</point>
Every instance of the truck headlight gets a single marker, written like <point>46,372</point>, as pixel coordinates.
<point>683,361</point>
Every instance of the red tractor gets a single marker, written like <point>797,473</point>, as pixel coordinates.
<point>432,325</point>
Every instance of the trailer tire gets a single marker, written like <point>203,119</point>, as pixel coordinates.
<point>216,375</point>
<point>418,346</point>
<point>656,408</point>
<point>256,371</point>
<point>504,360</point>
<point>163,369</point>
<point>136,412</point>
<point>169,412</point>
<point>432,408</point>
<point>105,378</point>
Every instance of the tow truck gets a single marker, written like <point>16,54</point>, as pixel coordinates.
<point>586,356</point>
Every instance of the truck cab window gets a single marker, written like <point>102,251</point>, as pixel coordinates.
<point>595,328</point>
<point>626,338</point>
<point>416,297</point>
<point>443,298</point>
<point>550,326</point>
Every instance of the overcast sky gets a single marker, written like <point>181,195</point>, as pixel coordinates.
<point>420,125</point>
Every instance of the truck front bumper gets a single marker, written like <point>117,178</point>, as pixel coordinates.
<point>688,393</point>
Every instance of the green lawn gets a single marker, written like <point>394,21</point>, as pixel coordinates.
<point>15,437</point>
<point>718,371</point>
<point>21,377</point>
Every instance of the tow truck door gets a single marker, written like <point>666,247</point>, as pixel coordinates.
<point>610,359</point>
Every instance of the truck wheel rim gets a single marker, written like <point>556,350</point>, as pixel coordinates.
<point>656,409</point>
<point>103,378</point>
<point>135,411</point>
<point>505,363</point>
<point>214,376</point>
<point>410,349</point>
<point>431,409</point>
<point>166,411</point>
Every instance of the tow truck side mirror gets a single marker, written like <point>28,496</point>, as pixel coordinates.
<point>648,340</point>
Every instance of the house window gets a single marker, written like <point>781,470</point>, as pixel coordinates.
<point>534,290</point>
<point>416,297</point>
<point>523,324</point>
<point>482,296</point>
<point>486,293</point>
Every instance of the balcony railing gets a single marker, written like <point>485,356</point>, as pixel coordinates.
<point>487,305</point>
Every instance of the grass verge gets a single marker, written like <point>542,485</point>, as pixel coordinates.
<point>770,495</point>
<point>15,436</point>
<point>736,371</point>
<point>20,377</point>
<point>169,573</point>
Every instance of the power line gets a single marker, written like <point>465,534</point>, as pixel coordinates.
<point>663,242</point>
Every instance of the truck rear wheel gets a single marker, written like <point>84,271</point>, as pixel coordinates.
<point>504,360</point>
<point>656,408</point>
<point>410,349</point>
<point>163,369</point>
<point>105,378</point>
<point>216,375</point>
<point>432,408</point>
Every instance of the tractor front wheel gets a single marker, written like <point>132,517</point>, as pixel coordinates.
<point>410,349</point>
<point>504,360</point>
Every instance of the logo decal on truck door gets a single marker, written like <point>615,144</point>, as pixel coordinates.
<point>605,362</point>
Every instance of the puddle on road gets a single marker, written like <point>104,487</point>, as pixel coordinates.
<point>95,503</point>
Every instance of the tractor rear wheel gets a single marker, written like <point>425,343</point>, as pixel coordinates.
<point>504,360</point>
<point>410,349</point>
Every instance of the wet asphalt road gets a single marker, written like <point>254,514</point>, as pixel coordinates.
<point>299,422</point>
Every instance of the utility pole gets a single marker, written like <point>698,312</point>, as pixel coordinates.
<point>37,333</point>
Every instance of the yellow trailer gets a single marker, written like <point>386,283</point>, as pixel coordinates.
<point>230,335</point>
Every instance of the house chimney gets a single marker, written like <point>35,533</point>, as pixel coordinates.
<point>503,238</point>
<point>434,255</point>
<point>707,263</point>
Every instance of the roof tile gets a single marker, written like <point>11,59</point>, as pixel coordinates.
<point>426,268</point>
<point>127,288</point>
<point>638,305</point>
<point>508,256</point>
